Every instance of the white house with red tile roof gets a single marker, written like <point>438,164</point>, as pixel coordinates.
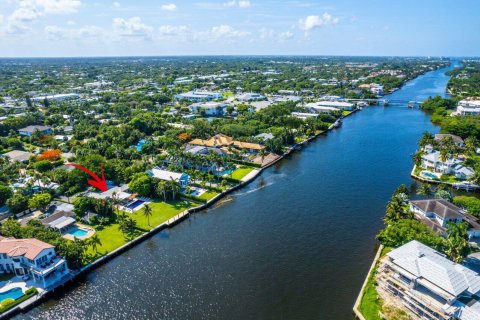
<point>32,257</point>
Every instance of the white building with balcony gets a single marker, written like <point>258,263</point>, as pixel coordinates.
<point>468,107</point>
<point>32,258</point>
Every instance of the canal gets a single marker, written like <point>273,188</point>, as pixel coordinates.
<point>295,244</point>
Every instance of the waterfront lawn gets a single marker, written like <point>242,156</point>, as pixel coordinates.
<point>449,178</point>
<point>207,195</point>
<point>161,212</point>
<point>241,172</point>
<point>370,304</point>
<point>346,113</point>
<point>112,237</point>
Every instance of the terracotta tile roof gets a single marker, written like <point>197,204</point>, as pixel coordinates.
<point>221,140</point>
<point>29,248</point>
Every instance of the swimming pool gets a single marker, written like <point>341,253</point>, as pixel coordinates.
<point>134,204</point>
<point>224,172</point>
<point>140,144</point>
<point>429,175</point>
<point>13,293</point>
<point>77,232</point>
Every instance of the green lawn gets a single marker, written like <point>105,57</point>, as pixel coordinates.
<point>346,113</point>
<point>241,172</point>
<point>370,305</point>
<point>208,195</point>
<point>112,238</point>
<point>449,178</point>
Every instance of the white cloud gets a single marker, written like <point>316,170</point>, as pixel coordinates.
<point>285,36</point>
<point>169,7</point>
<point>230,3</point>
<point>242,4</point>
<point>55,32</point>
<point>168,30</point>
<point>133,27</point>
<point>27,11</point>
<point>116,4</point>
<point>313,22</point>
<point>265,34</point>
<point>226,31</point>
<point>58,6</point>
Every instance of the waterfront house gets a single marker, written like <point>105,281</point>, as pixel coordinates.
<point>224,142</point>
<point>468,107</point>
<point>30,130</point>
<point>464,173</point>
<point>209,108</point>
<point>18,155</point>
<point>33,258</point>
<point>432,161</point>
<point>427,285</point>
<point>182,179</point>
<point>198,96</point>
<point>438,213</point>
<point>456,139</point>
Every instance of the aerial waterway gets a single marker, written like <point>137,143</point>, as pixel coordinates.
<point>294,244</point>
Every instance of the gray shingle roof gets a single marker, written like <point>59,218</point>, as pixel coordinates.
<point>426,263</point>
<point>441,207</point>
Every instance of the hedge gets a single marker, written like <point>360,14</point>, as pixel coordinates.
<point>10,304</point>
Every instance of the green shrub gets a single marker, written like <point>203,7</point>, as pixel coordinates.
<point>472,204</point>
<point>7,302</point>
<point>31,291</point>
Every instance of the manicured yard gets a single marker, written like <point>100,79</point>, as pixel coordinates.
<point>112,238</point>
<point>161,212</point>
<point>346,113</point>
<point>208,195</point>
<point>370,305</point>
<point>241,172</point>
<point>449,178</point>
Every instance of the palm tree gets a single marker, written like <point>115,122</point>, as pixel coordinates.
<point>425,190</point>
<point>161,188</point>
<point>174,187</point>
<point>147,212</point>
<point>94,242</point>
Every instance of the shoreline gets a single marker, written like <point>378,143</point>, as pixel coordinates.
<point>356,310</point>
<point>39,298</point>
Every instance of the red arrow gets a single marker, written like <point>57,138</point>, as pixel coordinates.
<point>96,181</point>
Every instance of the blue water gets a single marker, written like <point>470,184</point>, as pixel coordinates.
<point>294,244</point>
<point>14,294</point>
<point>77,232</point>
<point>140,144</point>
<point>224,172</point>
<point>135,204</point>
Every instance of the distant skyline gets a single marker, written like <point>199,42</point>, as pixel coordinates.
<point>76,28</point>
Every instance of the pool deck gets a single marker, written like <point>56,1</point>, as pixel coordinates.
<point>90,232</point>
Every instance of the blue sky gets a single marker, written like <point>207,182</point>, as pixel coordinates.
<point>196,27</point>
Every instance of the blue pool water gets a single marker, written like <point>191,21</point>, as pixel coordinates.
<point>135,204</point>
<point>225,172</point>
<point>429,175</point>
<point>14,294</point>
<point>140,144</point>
<point>77,232</point>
